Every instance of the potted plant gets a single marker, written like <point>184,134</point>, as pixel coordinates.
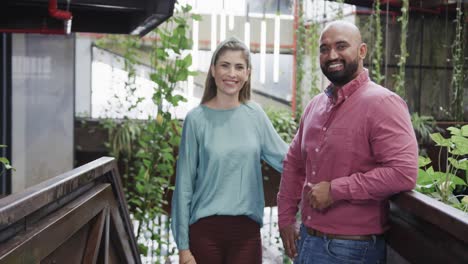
<point>448,181</point>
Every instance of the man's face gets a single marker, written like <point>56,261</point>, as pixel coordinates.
<point>340,55</point>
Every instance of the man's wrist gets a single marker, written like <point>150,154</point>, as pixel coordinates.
<point>283,224</point>
<point>339,189</point>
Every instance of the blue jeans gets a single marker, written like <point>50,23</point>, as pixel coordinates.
<point>321,250</point>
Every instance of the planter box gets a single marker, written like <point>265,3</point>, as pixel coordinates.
<point>424,230</point>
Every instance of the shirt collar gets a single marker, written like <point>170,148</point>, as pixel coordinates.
<point>348,89</point>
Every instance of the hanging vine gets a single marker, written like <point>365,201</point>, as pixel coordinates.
<point>458,75</point>
<point>313,36</point>
<point>340,12</point>
<point>300,51</point>
<point>400,77</point>
<point>377,49</point>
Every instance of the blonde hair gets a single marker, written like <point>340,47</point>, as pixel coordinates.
<point>234,44</point>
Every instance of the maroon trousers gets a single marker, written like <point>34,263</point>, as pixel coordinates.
<point>226,240</point>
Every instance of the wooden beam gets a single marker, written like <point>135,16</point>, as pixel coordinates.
<point>44,237</point>
<point>94,238</point>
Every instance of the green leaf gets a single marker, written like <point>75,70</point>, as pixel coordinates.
<point>423,161</point>
<point>197,17</point>
<point>143,249</point>
<point>424,178</point>
<point>440,140</point>
<point>4,160</point>
<point>140,187</point>
<point>454,131</point>
<point>456,180</point>
<point>460,145</point>
<point>464,130</point>
<point>465,200</point>
<point>459,164</point>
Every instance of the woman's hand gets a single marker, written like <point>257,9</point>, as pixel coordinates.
<point>186,257</point>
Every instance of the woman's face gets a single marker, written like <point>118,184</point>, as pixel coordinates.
<point>230,72</point>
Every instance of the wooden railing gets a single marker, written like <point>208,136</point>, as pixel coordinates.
<point>78,217</point>
<point>424,230</point>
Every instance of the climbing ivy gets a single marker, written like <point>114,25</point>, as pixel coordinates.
<point>300,52</point>
<point>459,73</point>
<point>400,77</point>
<point>377,47</point>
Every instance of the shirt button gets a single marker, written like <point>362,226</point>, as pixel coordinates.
<point>324,129</point>
<point>308,217</point>
<point>346,97</point>
<point>317,150</point>
<point>313,173</point>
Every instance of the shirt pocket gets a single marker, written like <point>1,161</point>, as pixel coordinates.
<point>337,140</point>
<point>337,148</point>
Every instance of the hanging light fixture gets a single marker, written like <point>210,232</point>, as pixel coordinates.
<point>195,38</point>
<point>194,66</point>
<point>213,30</point>
<point>276,47</point>
<point>247,28</point>
<point>263,29</point>
<point>231,21</point>
<point>222,21</point>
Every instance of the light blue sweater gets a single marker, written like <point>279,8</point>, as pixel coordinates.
<point>219,169</point>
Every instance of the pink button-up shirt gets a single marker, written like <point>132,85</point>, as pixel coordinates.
<point>364,144</point>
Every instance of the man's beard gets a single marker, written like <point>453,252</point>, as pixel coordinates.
<point>344,76</point>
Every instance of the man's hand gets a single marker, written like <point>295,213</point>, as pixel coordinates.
<point>289,235</point>
<point>320,196</point>
<point>186,257</point>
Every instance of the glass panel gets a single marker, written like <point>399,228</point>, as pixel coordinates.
<point>43,90</point>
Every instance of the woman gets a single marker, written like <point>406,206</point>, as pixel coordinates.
<point>217,207</point>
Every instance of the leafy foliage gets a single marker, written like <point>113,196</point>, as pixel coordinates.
<point>300,51</point>
<point>148,148</point>
<point>400,77</point>
<point>459,73</point>
<point>283,122</point>
<point>377,48</point>
<point>441,184</point>
<point>423,126</point>
<point>4,163</point>
<point>313,35</point>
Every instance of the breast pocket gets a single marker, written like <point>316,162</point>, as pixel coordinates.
<point>338,147</point>
<point>338,140</point>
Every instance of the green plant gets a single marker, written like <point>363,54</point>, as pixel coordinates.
<point>148,148</point>
<point>340,13</point>
<point>423,126</point>
<point>441,184</point>
<point>300,51</point>
<point>283,122</point>
<point>4,163</point>
<point>459,73</point>
<point>377,47</point>
<point>399,87</point>
<point>313,36</point>
<point>160,138</point>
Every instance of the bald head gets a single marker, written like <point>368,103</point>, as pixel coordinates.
<point>343,27</point>
<point>342,52</point>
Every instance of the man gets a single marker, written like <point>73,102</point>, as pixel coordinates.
<point>355,147</point>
